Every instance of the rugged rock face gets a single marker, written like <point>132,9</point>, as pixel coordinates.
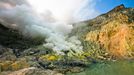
<point>13,39</point>
<point>107,37</point>
<point>113,31</point>
<point>32,71</point>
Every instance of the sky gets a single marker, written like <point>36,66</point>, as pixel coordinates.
<point>104,6</point>
<point>53,19</point>
<point>70,10</point>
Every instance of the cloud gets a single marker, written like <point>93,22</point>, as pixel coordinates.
<point>8,4</point>
<point>53,22</point>
<point>66,10</point>
<point>87,10</point>
<point>14,2</point>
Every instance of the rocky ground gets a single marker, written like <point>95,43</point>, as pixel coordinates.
<point>21,56</point>
<point>113,31</point>
<point>108,37</point>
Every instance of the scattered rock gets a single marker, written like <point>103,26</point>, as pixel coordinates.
<point>43,72</point>
<point>13,65</point>
<point>32,71</point>
<point>76,69</point>
<point>105,37</point>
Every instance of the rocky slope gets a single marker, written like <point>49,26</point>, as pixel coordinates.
<point>109,36</point>
<point>14,39</point>
<point>113,31</point>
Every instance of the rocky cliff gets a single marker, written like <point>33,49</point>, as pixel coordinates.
<point>14,39</point>
<point>113,31</point>
<point>109,36</point>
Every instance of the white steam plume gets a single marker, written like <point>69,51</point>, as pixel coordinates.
<point>47,18</point>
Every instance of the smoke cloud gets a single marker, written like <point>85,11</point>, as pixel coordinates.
<point>52,21</point>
